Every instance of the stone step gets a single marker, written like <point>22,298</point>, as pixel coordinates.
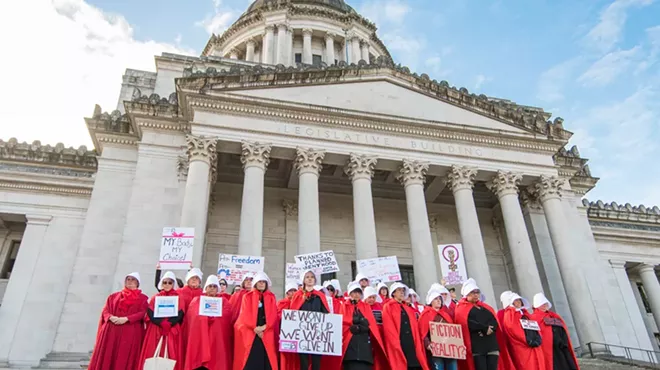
<point>599,364</point>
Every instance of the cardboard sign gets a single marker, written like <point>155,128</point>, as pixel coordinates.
<point>324,262</point>
<point>233,267</point>
<point>381,269</point>
<point>166,306</point>
<point>452,263</point>
<point>293,271</point>
<point>311,332</point>
<point>330,303</point>
<point>176,248</point>
<point>530,325</point>
<point>210,306</point>
<point>447,341</point>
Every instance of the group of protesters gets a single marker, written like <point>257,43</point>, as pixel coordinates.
<point>383,327</point>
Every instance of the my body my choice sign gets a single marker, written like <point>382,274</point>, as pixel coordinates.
<point>311,332</point>
<point>176,248</point>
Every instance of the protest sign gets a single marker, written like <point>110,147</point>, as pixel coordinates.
<point>311,332</point>
<point>176,248</point>
<point>323,262</point>
<point>293,271</point>
<point>210,306</point>
<point>452,263</point>
<point>381,269</point>
<point>447,340</point>
<point>166,306</point>
<point>530,325</point>
<point>233,268</point>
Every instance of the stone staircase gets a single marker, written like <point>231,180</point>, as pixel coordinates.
<point>600,364</point>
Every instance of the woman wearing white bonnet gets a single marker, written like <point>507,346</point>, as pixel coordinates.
<point>522,335</point>
<point>557,346</point>
<point>372,299</point>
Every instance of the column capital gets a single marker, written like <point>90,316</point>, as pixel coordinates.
<point>461,178</point>
<point>269,28</point>
<point>309,160</point>
<point>530,201</point>
<point>251,41</point>
<point>618,264</point>
<point>364,43</point>
<point>330,36</point>
<point>360,166</point>
<point>547,187</point>
<point>412,172</point>
<point>307,31</point>
<point>255,154</point>
<point>283,26</point>
<point>504,183</point>
<point>182,165</point>
<point>201,149</point>
<point>235,51</point>
<point>290,207</point>
<point>36,219</point>
<point>645,267</point>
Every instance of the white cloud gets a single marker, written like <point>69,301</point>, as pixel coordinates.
<point>395,11</point>
<point>609,67</point>
<point>74,59</point>
<point>385,11</point>
<point>552,81</point>
<point>480,80</point>
<point>607,33</point>
<point>217,23</point>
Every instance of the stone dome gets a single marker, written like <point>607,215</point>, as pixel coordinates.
<point>339,5</point>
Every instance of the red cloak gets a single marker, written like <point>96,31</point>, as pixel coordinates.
<point>385,298</point>
<point>461,317</point>
<point>546,333</point>
<point>236,302</point>
<point>244,328</point>
<point>377,346</point>
<point>118,346</point>
<point>392,330</point>
<point>283,304</point>
<point>187,294</point>
<point>291,361</point>
<point>210,343</point>
<point>505,362</point>
<point>427,316</point>
<point>336,304</point>
<point>376,306</point>
<point>451,310</point>
<point>155,332</point>
<point>522,355</point>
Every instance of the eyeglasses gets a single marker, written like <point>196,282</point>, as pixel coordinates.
<point>223,284</point>
<point>166,282</point>
<point>330,289</point>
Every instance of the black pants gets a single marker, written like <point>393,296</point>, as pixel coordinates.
<point>357,365</point>
<point>485,362</point>
<point>304,362</point>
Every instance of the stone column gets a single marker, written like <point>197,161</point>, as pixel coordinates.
<point>307,46</point>
<point>364,46</point>
<point>249,53</point>
<point>412,176</point>
<point>548,190</point>
<point>652,289</point>
<point>267,48</point>
<point>282,44</point>
<point>233,54</point>
<point>255,158</point>
<point>202,156</point>
<point>289,47</point>
<point>308,165</point>
<point>355,50</point>
<point>360,169</point>
<point>330,48</point>
<point>461,181</point>
<point>505,186</point>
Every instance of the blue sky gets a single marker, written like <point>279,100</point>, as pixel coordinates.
<point>596,63</point>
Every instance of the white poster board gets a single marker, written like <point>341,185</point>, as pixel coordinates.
<point>452,263</point>
<point>176,248</point>
<point>323,262</point>
<point>166,306</point>
<point>233,267</point>
<point>293,271</point>
<point>381,269</point>
<point>311,332</point>
<point>210,306</point>
<point>530,325</point>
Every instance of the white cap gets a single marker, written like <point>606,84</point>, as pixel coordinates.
<point>336,285</point>
<point>514,297</point>
<point>290,285</point>
<point>371,291</point>
<point>302,276</point>
<point>168,275</point>
<point>319,288</point>
<point>135,275</point>
<point>414,294</point>
<point>469,285</point>
<point>194,272</point>
<point>540,300</point>
<point>248,275</point>
<point>398,285</point>
<point>504,298</point>
<point>352,286</point>
<point>327,283</point>
<point>212,280</point>
<point>359,277</point>
<point>380,286</point>
<point>435,286</point>
<point>260,276</point>
<point>433,294</point>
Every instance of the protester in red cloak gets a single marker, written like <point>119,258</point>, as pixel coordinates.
<point>383,292</point>
<point>556,343</point>
<point>448,305</point>
<point>237,298</point>
<point>285,302</point>
<point>307,299</point>
<point>505,358</point>
<point>169,328</point>
<point>434,312</point>
<point>479,324</point>
<point>403,345</point>
<point>121,328</point>
<point>330,296</point>
<point>372,299</point>
<point>223,290</point>
<point>192,290</point>
<point>210,344</point>
<point>525,344</point>
<point>257,329</point>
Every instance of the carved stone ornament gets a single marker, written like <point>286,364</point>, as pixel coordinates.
<point>14,151</point>
<point>309,160</point>
<point>547,187</point>
<point>255,154</point>
<point>360,166</point>
<point>307,32</point>
<point>504,183</point>
<point>330,35</point>
<point>412,172</point>
<point>461,178</point>
<point>202,149</point>
<point>529,200</point>
<point>290,207</point>
<point>182,165</point>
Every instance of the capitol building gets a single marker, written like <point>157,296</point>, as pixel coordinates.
<point>296,132</point>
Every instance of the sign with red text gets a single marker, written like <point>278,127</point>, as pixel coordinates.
<point>452,264</point>
<point>447,341</point>
<point>234,267</point>
<point>176,248</point>
<point>381,269</point>
<point>311,332</point>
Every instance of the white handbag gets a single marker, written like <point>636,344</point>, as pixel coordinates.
<point>159,363</point>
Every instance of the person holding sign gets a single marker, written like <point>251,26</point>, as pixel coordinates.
<point>434,312</point>
<point>256,331</point>
<point>121,328</point>
<point>523,335</point>
<point>557,346</point>
<point>193,289</point>
<point>284,303</point>
<point>477,319</point>
<point>164,318</point>
<point>306,299</point>
<point>209,320</point>
<point>237,298</point>
<point>383,292</point>
<point>403,345</point>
